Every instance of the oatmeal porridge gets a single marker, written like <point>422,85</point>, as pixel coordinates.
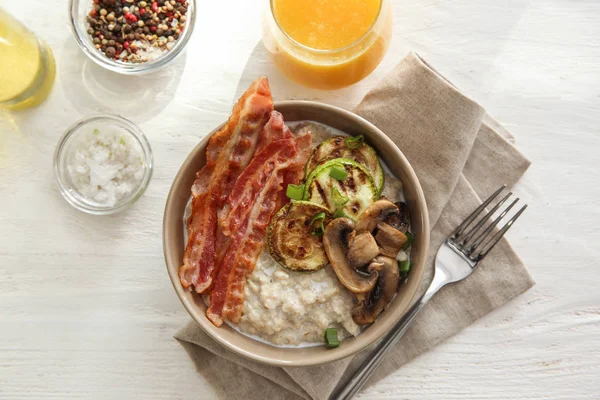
<point>290,308</point>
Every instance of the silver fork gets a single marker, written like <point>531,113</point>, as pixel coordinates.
<point>456,259</point>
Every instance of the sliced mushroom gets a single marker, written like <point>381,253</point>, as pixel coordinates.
<point>370,305</point>
<point>335,241</point>
<point>400,220</point>
<point>362,248</point>
<point>389,239</point>
<point>374,214</point>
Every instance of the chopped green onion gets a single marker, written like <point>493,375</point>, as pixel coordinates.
<point>96,132</point>
<point>338,198</point>
<point>404,266</point>
<point>318,216</point>
<point>339,213</point>
<point>294,192</point>
<point>409,239</point>
<point>331,337</point>
<point>122,141</point>
<point>338,172</point>
<point>319,229</point>
<point>352,142</point>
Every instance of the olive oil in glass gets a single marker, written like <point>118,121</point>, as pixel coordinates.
<point>27,67</point>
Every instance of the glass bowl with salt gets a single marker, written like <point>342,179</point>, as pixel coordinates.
<point>103,164</point>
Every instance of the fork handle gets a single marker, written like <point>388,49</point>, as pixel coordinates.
<point>374,359</point>
<point>364,372</point>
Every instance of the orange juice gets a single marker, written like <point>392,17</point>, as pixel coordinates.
<point>327,44</point>
<point>326,24</point>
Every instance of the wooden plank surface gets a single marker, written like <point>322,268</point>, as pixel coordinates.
<point>86,307</point>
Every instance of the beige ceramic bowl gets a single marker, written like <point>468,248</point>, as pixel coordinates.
<point>284,356</point>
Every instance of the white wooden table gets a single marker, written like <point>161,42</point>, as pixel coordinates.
<point>87,309</point>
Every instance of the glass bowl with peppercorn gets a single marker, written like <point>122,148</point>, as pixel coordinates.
<point>132,36</point>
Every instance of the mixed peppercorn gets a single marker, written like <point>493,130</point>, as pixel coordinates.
<point>136,31</point>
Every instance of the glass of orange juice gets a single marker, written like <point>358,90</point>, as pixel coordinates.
<point>27,66</point>
<point>327,44</point>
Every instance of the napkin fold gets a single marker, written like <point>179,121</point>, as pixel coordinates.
<point>460,155</point>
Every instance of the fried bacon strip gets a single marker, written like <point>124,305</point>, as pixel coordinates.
<point>229,151</point>
<point>274,130</point>
<point>253,201</point>
<point>295,173</point>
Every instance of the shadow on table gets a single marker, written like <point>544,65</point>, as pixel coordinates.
<point>92,89</point>
<point>259,63</point>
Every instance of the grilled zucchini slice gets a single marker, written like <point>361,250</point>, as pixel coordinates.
<point>352,195</point>
<point>290,237</point>
<point>338,147</point>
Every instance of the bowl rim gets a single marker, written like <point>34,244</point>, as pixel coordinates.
<point>137,135</point>
<point>328,355</point>
<point>130,68</point>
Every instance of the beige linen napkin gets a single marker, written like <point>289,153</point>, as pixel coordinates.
<point>460,155</point>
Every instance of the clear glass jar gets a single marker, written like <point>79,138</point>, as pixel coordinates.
<point>66,152</point>
<point>79,10</point>
<point>328,69</point>
<point>27,67</point>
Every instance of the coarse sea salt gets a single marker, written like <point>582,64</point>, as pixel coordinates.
<point>106,166</point>
<point>147,51</point>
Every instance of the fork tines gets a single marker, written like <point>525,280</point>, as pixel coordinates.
<point>477,241</point>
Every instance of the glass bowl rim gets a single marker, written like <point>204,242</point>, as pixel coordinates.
<point>129,68</point>
<point>135,132</point>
